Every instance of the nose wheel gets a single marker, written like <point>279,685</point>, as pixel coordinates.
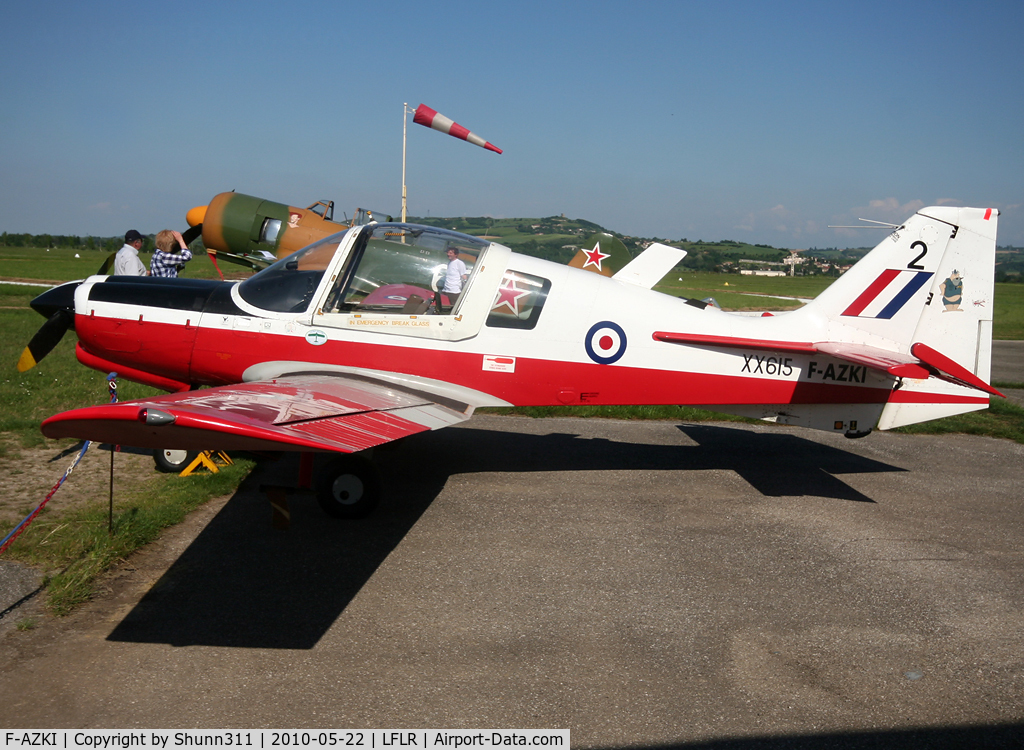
<point>349,488</point>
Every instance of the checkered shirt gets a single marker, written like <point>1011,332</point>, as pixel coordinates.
<point>166,264</point>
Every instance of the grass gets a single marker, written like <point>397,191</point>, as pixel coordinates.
<point>1002,419</point>
<point>701,283</point>
<point>60,264</point>
<point>733,291</point>
<point>1008,323</point>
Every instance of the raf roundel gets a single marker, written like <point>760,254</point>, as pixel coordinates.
<point>605,342</point>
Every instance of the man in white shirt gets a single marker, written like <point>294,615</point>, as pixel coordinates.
<point>126,262</point>
<point>454,277</point>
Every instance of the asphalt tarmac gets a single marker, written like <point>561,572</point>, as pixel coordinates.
<point>645,584</point>
<point>1008,361</point>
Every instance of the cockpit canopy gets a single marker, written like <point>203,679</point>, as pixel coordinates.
<point>401,268</point>
<point>289,284</point>
<point>390,268</point>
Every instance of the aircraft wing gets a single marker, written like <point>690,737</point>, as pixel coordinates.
<point>922,362</point>
<point>310,412</point>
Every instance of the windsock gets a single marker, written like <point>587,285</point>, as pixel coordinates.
<point>426,116</point>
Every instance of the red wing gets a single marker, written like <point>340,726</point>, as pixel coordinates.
<point>322,412</point>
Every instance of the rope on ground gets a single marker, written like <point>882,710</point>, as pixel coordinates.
<point>16,531</point>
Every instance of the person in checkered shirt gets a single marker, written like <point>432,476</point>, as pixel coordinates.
<point>170,254</point>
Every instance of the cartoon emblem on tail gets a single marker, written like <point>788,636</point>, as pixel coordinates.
<point>952,292</point>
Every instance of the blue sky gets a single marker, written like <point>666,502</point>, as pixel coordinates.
<point>758,121</point>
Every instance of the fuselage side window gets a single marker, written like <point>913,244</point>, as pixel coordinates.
<point>519,301</point>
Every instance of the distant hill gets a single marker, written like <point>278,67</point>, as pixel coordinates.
<point>557,238</point>
<point>553,238</point>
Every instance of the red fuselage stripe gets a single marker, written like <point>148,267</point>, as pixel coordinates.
<point>222,356</point>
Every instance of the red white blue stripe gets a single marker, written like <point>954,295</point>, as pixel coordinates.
<point>887,294</point>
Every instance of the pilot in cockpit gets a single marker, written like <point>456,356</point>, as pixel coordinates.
<point>454,277</point>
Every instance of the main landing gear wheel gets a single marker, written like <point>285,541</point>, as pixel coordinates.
<point>173,461</point>
<point>349,488</point>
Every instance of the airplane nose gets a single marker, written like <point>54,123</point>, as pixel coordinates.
<point>53,300</point>
<point>57,305</point>
<point>196,216</point>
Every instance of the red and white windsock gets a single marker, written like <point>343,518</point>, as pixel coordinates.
<point>426,116</point>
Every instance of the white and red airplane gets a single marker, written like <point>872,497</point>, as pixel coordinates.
<point>347,344</point>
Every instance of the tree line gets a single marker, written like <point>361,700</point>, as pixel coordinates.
<point>108,244</point>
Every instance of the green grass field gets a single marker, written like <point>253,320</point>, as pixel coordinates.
<point>1008,322</point>
<point>732,291</point>
<point>60,264</point>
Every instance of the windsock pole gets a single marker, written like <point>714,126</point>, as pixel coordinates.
<point>405,125</point>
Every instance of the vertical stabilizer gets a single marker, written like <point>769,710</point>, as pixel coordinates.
<point>925,292</point>
<point>956,321</point>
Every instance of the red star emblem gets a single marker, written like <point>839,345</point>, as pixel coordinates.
<point>509,295</point>
<point>595,256</point>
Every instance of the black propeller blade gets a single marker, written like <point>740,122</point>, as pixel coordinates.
<point>192,233</point>
<point>46,338</point>
<point>57,305</point>
<point>105,268</point>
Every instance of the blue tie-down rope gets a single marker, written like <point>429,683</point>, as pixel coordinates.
<point>9,539</point>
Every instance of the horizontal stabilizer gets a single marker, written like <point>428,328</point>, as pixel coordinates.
<point>946,369</point>
<point>923,362</point>
<point>650,266</point>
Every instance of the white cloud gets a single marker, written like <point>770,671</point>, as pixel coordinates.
<point>888,209</point>
<point>778,218</point>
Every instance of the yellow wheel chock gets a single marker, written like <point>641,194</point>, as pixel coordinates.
<point>208,460</point>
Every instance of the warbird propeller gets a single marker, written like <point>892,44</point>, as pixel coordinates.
<point>337,349</point>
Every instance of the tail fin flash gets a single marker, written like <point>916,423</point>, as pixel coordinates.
<point>926,291</point>
<point>606,256</point>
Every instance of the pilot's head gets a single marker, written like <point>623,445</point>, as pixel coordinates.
<point>452,253</point>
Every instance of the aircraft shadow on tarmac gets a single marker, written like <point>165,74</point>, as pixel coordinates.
<point>926,738</point>
<point>243,584</point>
